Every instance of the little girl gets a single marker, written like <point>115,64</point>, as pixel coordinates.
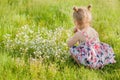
<point>90,52</point>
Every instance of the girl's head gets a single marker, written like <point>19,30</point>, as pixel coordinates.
<point>82,16</point>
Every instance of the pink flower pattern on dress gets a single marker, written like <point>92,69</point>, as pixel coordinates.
<point>93,53</point>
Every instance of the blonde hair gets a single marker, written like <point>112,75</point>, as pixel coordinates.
<point>82,15</point>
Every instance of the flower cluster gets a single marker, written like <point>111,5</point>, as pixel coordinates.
<point>43,43</point>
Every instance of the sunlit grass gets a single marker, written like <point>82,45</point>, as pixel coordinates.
<point>33,36</point>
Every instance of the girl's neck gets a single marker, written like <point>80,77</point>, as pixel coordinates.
<point>83,26</point>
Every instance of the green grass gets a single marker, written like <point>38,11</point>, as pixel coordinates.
<point>33,36</point>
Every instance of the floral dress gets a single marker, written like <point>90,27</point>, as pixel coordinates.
<point>93,53</point>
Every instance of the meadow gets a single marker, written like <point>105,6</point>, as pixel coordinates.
<point>34,34</point>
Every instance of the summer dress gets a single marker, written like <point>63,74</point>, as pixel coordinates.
<point>92,52</point>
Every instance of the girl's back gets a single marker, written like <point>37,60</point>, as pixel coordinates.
<point>90,34</point>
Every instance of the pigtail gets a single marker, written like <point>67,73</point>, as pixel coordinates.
<point>89,7</point>
<point>75,9</point>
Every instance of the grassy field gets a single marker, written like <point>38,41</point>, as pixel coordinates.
<point>33,36</point>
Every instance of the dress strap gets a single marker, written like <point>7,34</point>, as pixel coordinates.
<point>85,34</point>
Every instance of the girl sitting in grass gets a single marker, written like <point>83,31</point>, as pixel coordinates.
<point>90,52</point>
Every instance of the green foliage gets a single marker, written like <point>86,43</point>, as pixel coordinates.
<point>34,33</point>
<point>46,44</point>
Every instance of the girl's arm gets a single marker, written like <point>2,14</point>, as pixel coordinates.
<point>77,37</point>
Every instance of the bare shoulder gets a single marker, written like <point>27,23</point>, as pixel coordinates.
<point>79,35</point>
<point>94,31</point>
